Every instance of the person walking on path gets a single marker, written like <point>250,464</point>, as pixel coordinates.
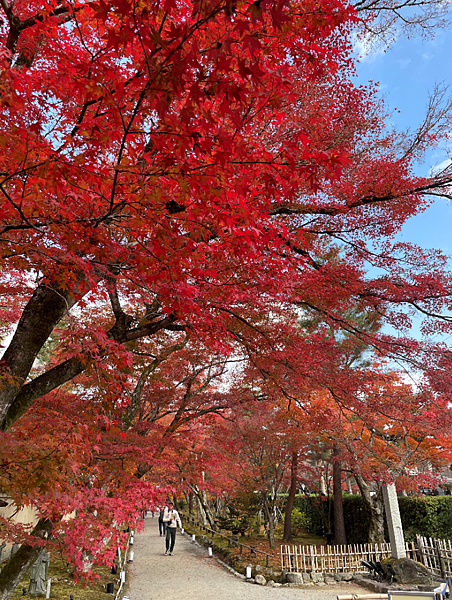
<point>172,520</point>
<point>162,525</point>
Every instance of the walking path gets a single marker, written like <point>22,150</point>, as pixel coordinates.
<point>191,574</point>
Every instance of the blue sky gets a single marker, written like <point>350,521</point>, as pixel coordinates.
<point>407,72</point>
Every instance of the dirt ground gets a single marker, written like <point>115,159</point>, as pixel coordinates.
<point>191,574</point>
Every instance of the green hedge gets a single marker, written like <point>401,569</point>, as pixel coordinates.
<point>425,515</point>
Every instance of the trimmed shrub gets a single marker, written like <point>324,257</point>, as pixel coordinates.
<point>430,516</point>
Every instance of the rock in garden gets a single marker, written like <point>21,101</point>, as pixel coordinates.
<point>295,578</point>
<point>411,572</point>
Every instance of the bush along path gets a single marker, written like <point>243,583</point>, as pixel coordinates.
<point>191,573</point>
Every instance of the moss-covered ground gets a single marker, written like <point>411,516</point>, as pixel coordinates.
<point>63,585</point>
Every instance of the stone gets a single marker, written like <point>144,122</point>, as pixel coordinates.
<point>295,578</point>
<point>317,577</point>
<point>258,569</point>
<point>347,576</point>
<point>3,545</point>
<point>270,583</point>
<point>306,578</point>
<point>329,579</point>
<point>38,575</point>
<point>278,585</point>
<point>409,571</point>
<point>260,580</point>
<point>394,521</point>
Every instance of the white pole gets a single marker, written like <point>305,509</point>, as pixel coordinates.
<point>122,576</point>
<point>49,583</point>
<point>182,531</point>
<point>210,551</point>
<point>193,537</point>
<point>131,540</point>
<point>248,572</point>
<point>131,556</point>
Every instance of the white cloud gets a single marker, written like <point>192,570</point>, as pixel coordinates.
<point>404,62</point>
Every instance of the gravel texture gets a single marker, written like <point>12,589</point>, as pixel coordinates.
<point>191,574</point>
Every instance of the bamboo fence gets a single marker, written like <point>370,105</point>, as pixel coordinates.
<point>336,559</point>
<point>436,555</point>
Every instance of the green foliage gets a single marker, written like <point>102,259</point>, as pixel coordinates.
<point>299,521</point>
<point>356,519</point>
<point>430,516</point>
<point>315,510</point>
<point>241,514</point>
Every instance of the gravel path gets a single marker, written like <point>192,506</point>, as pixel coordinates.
<point>191,574</point>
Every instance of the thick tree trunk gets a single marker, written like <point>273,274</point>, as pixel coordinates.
<point>376,508</point>
<point>291,498</point>
<point>15,569</point>
<point>42,313</point>
<point>339,525</point>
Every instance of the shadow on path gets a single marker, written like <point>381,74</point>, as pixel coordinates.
<point>191,574</point>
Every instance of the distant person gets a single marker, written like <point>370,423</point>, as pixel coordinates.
<point>172,520</point>
<point>162,525</point>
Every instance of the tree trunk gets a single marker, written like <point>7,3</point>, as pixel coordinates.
<point>190,502</point>
<point>339,525</point>
<point>15,569</point>
<point>42,313</point>
<point>376,508</point>
<point>270,527</point>
<point>206,515</point>
<point>291,498</point>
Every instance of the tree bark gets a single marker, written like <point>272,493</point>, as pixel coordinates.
<point>291,498</point>
<point>42,313</point>
<point>270,526</point>
<point>15,569</point>
<point>204,509</point>
<point>339,525</point>
<point>376,508</point>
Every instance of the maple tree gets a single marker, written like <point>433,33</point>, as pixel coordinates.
<point>191,168</point>
<point>391,433</point>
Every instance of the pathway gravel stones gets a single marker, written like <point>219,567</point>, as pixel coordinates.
<point>191,574</point>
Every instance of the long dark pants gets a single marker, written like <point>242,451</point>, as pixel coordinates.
<point>170,538</point>
<point>162,527</point>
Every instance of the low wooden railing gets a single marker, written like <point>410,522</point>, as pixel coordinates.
<point>232,540</point>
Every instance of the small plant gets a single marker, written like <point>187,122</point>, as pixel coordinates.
<point>300,521</point>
